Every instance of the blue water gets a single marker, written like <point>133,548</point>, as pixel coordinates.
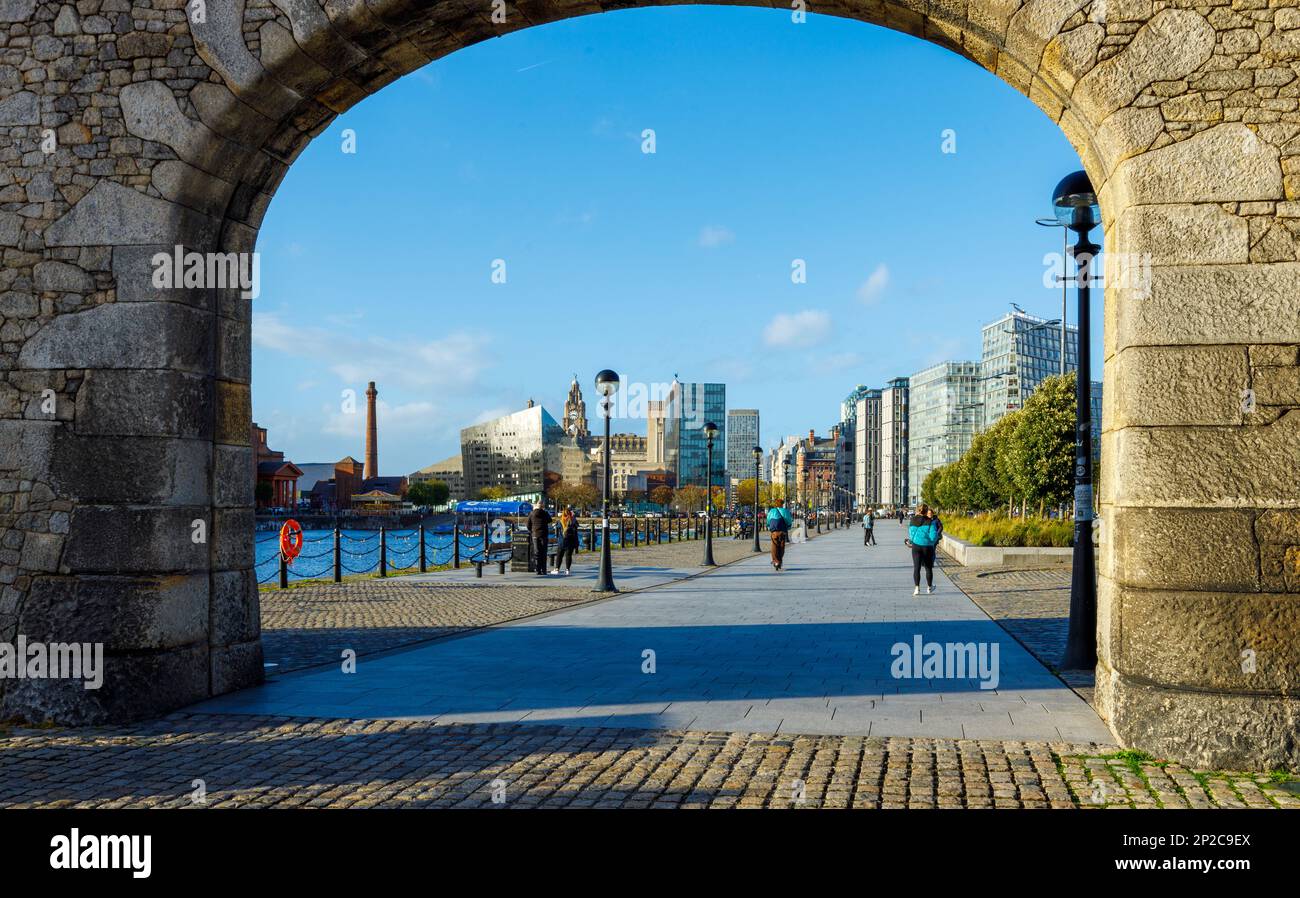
<point>359,550</point>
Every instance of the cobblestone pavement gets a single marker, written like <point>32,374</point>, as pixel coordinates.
<point>1033,605</point>
<point>312,624</point>
<point>257,762</point>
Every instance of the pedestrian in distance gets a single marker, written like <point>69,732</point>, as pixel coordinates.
<point>567,543</point>
<point>868,528</point>
<point>539,534</point>
<point>922,536</point>
<point>779,523</point>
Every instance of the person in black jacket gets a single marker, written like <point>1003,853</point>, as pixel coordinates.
<point>568,541</point>
<point>539,530</point>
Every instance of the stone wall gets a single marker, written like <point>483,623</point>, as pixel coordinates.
<point>128,129</point>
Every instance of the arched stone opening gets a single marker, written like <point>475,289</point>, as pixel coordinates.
<point>177,132</point>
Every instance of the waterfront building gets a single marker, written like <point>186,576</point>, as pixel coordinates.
<point>944,406</point>
<point>847,475</point>
<point>271,467</point>
<point>894,443</point>
<point>815,470</point>
<point>689,407</point>
<point>450,471</point>
<point>866,449</point>
<point>654,433</point>
<point>627,457</point>
<point>516,452</point>
<point>742,436</point>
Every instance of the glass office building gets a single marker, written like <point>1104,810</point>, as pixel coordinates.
<point>944,416</point>
<point>690,406</point>
<point>742,437</point>
<point>1019,352</point>
<point>521,452</point>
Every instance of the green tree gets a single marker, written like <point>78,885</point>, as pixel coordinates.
<point>495,493</point>
<point>745,493</point>
<point>1042,444</point>
<point>428,492</point>
<point>662,495</point>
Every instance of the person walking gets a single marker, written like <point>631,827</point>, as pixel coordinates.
<point>539,533</point>
<point>779,523</point>
<point>923,536</point>
<point>568,541</point>
<point>868,528</point>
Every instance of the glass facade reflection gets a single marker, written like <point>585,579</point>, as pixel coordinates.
<point>690,405</point>
<point>521,452</point>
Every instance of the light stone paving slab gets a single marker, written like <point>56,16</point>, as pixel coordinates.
<point>741,649</point>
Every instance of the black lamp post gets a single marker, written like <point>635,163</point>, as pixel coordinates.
<point>710,431</point>
<point>1077,209</point>
<point>606,386</point>
<point>758,475</point>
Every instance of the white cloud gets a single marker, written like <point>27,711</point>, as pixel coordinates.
<point>713,236</point>
<point>874,285</point>
<point>455,361</point>
<point>798,331</point>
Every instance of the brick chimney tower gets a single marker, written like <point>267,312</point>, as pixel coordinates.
<point>371,468</point>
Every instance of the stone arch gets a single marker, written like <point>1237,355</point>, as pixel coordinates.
<point>175,131</point>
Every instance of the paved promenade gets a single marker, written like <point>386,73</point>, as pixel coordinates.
<point>742,649</point>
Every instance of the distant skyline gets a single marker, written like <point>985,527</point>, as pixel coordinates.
<point>779,147</point>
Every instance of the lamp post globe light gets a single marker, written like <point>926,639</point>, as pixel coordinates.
<point>710,431</point>
<point>1076,207</point>
<point>606,386</point>
<point>758,475</point>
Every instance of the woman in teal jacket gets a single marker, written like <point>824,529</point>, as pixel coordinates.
<point>923,535</point>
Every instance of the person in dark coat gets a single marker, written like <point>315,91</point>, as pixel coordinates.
<point>539,531</point>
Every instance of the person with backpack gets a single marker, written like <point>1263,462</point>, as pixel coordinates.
<point>779,523</point>
<point>922,536</point>
<point>868,528</point>
<point>568,541</point>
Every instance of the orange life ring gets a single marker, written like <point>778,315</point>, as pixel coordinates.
<point>290,540</point>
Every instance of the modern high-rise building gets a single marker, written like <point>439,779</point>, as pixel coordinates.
<point>846,477</point>
<point>944,405</point>
<point>689,407</point>
<point>742,437</point>
<point>893,442</point>
<point>1019,352</point>
<point>866,449</point>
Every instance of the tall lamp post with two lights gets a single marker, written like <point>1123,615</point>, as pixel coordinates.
<point>758,476</point>
<point>1078,210</point>
<point>606,386</point>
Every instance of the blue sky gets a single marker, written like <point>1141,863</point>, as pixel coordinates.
<point>821,141</point>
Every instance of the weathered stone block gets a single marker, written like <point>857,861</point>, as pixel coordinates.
<point>114,215</point>
<point>128,613</point>
<point>232,478</point>
<point>144,470</point>
<point>234,411</point>
<point>137,686</point>
<point>232,542</point>
<point>236,666</point>
<point>134,268</point>
<point>1176,385</point>
<point>134,539</point>
<point>145,403</point>
<point>1185,234</point>
<point>1277,386</point>
<point>1223,467</point>
<point>235,611</point>
<point>1207,550</point>
<point>124,335</point>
